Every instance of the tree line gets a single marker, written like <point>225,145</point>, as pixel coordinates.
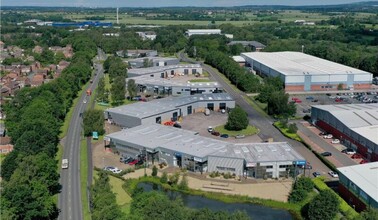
<point>34,117</point>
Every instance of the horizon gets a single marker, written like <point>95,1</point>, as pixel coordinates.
<point>172,3</point>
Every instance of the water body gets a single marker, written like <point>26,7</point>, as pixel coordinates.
<point>197,202</point>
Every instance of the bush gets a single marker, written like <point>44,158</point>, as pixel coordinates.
<point>164,177</point>
<point>237,120</point>
<point>323,206</point>
<point>292,128</point>
<point>297,195</point>
<point>154,171</point>
<point>184,183</point>
<point>173,179</point>
<point>304,183</point>
<point>227,175</point>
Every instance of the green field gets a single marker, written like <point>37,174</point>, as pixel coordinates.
<point>199,80</point>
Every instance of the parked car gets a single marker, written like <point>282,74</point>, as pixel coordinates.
<point>306,111</point>
<point>298,101</point>
<point>116,170</point>
<point>316,174</point>
<point>356,156</point>
<point>333,174</point>
<point>335,141</point>
<point>315,100</point>
<point>309,98</point>
<point>176,125</point>
<point>140,162</point>
<point>124,159</point>
<point>133,162</point>
<point>326,154</point>
<point>364,161</point>
<point>223,111</point>
<point>210,129</point>
<point>240,136</point>
<point>323,133</point>
<point>307,166</point>
<point>215,133</point>
<point>349,151</point>
<point>294,98</point>
<point>224,135</point>
<point>328,136</point>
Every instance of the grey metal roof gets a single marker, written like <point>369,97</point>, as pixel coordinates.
<point>157,106</point>
<point>167,137</point>
<point>141,59</point>
<point>184,141</point>
<point>156,69</point>
<point>361,118</point>
<point>365,176</point>
<point>296,63</point>
<point>353,115</point>
<point>260,152</point>
<point>154,81</point>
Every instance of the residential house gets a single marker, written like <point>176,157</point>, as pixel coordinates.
<point>5,149</point>
<point>37,80</point>
<point>37,49</point>
<point>63,64</point>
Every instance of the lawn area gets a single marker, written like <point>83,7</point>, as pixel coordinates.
<point>83,178</point>
<point>250,130</point>
<point>285,132</point>
<point>122,197</point>
<point>199,80</point>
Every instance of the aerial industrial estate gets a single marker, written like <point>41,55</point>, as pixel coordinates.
<point>227,111</point>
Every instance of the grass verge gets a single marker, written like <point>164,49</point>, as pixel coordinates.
<point>344,207</point>
<point>67,120</point>
<point>83,178</point>
<point>285,132</point>
<point>199,80</point>
<point>255,106</point>
<point>123,199</point>
<point>250,130</point>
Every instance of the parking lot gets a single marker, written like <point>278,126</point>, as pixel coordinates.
<point>199,122</point>
<point>305,101</point>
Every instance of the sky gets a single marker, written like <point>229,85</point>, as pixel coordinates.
<point>164,3</point>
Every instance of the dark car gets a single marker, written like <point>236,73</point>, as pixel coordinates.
<point>309,98</point>
<point>356,156</point>
<point>323,133</point>
<point>315,100</point>
<point>176,125</point>
<point>326,154</point>
<point>140,162</point>
<point>316,174</point>
<point>124,159</point>
<point>224,136</point>
<point>215,133</point>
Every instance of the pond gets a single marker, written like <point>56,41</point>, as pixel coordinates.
<point>196,202</point>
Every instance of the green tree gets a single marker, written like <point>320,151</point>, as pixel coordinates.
<point>154,171</point>
<point>297,195</point>
<point>278,104</point>
<point>131,88</point>
<point>118,90</point>
<point>183,185</point>
<point>292,128</point>
<point>369,214</point>
<point>340,86</point>
<point>304,183</point>
<point>93,120</point>
<point>101,92</point>
<point>324,206</point>
<point>237,119</point>
<point>164,177</point>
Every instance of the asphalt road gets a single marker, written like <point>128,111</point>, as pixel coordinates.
<point>70,197</point>
<point>267,130</point>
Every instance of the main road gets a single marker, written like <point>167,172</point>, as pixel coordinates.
<point>70,197</point>
<point>265,124</point>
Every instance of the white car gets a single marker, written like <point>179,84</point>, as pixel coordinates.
<point>210,129</point>
<point>335,141</point>
<point>328,136</point>
<point>85,101</point>
<point>116,170</point>
<point>333,174</point>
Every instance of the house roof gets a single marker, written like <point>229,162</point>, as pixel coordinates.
<point>296,63</point>
<point>365,176</point>
<point>5,140</point>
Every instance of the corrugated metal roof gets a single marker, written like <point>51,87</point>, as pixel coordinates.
<point>158,106</point>
<point>157,69</point>
<point>296,63</point>
<point>365,176</point>
<point>261,152</point>
<point>154,81</point>
<point>184,141</point>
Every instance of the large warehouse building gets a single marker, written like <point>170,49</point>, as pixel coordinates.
<point>166,71</point>
<point>186,149</point>
<point>167,109</point>
<point>303,72</point>
<point>359,185</point>
<point>356,125</point>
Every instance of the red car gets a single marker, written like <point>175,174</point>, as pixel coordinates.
<point>294,99</point>
<point>338,100</point>
<point>215,133</point>
<point>133,162</point>
<point>364,161</point>
<point>356,156</point>
<point>298,101</point>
